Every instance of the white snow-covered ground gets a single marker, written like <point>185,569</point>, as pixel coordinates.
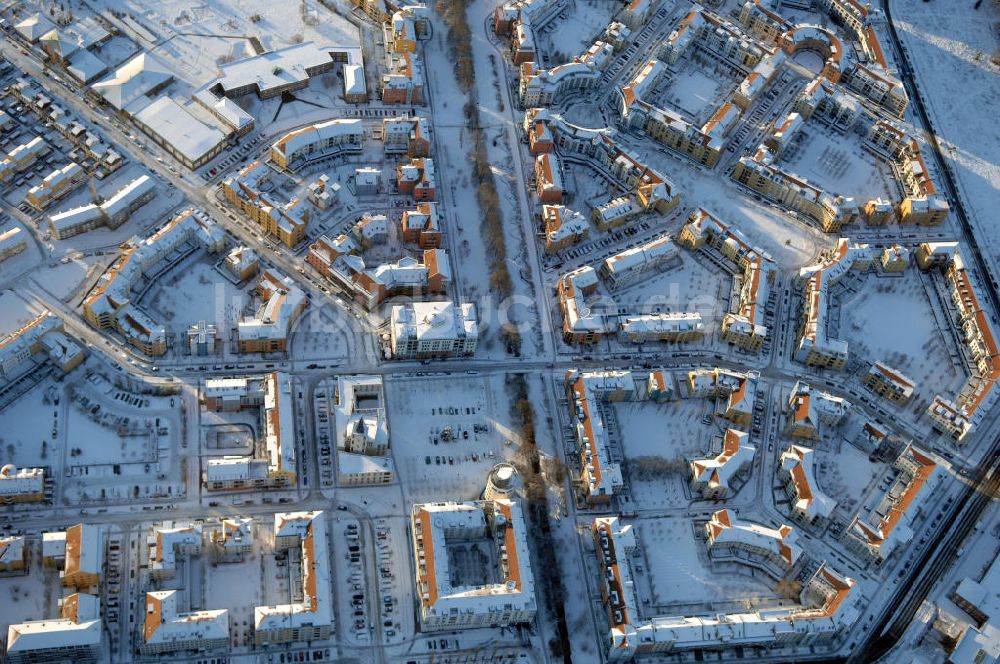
<point>950,46</point>
<point>871,321</point>
<point>577,27</point>
<point>14,312</point>
<point>844,473</point>
<point>838,165</point>
<point>685,576</point>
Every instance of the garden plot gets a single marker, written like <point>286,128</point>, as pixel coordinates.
<point>837,164</point>
<point>694,91</point>
<point>321,334</point>
<point>570,34</point>
<point>422,411</point>
<point>26,428</point>
<point>196,293</point>
<point>33,596</point>
<point>692,287</point>
<point>684,580</point>
<point>844,473</point>
<point>870,322</point>
<point>657,440</point>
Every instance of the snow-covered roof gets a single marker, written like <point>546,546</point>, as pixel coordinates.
<point>314,608</point>
<point>439,595</point>
<point>165,624</point>
<point>426,321</point>
<point>21,482</point>
<point>717,471</point>
<point>127,87</point>
<point>79,627</point>
<point>305,138</point>
<point>281,67</point>
<point>282,299</point>
<point>799,463</point>
<point>781,543</point>
<point>349,463</point>
<point>602,476</point>
<point>180,129</point>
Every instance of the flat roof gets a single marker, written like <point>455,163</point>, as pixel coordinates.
<point>178,127</point>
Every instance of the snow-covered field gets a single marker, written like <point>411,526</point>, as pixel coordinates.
<point>870,321</point>
<point>838,165</point>
<point>950,46</point>
<point>685,577</point>
<point>844,473</point>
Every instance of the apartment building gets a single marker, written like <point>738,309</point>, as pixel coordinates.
<point>363,470</point>
<point>797,470</point>
<point>75,636</point>
<point>422,226</point>
<point>80,552</point>
<point>12,242</point>
<point>310,618</point>
<point>54,186</point>
<point>22,157</point>
<point>563,227</point>
<point>549,178</point>
<point>13,555</point>
<point>21,485</point>
<point>112,213</point>
<point>587,394</point>
<point>636,262</point>
<point>755,272</point>
<point>675,327</point>
<point>403,81</point>
<point>887,523</point>
<point>268,330</point>
<point>446,605</point>
<point>889,383</point>
<point>815,347</point>
<point>715,39</point>
<point>810,410</point>
<point>762,22</point>
<point>285,221</point>
<point>166,543</point>
<point>433,329</point>
<point>42,334</point>
<point>773,551</point>
<point>417,178</point>
<point>406,135</point>
<point>373,228</point>
<point>826,607</point>
<point>712,477</point>
<point>895,258</point>
<point>581,324</point>
<point>317,141</point>
<point>168,629</point>
<point>616,212</point>
<point>371,286</point>
<point>759,173</point>
<point>545,87</point>
<point>652,189</point>
<point>271,394</point>
<point>242,262</point>
<point>958,417</point>
<point>109,304</point>
<point>233,540</point>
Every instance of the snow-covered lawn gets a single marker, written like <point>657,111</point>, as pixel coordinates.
<point>14,312</point>
<point>565,38</point>
<point>871,322</point>
<point>680,573</point>
<point>695,91</point>
<point>838,165</point>
<point>691,287</point>
<point>198,292</point>
<point>29,597</point>
<point>845,474</point>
